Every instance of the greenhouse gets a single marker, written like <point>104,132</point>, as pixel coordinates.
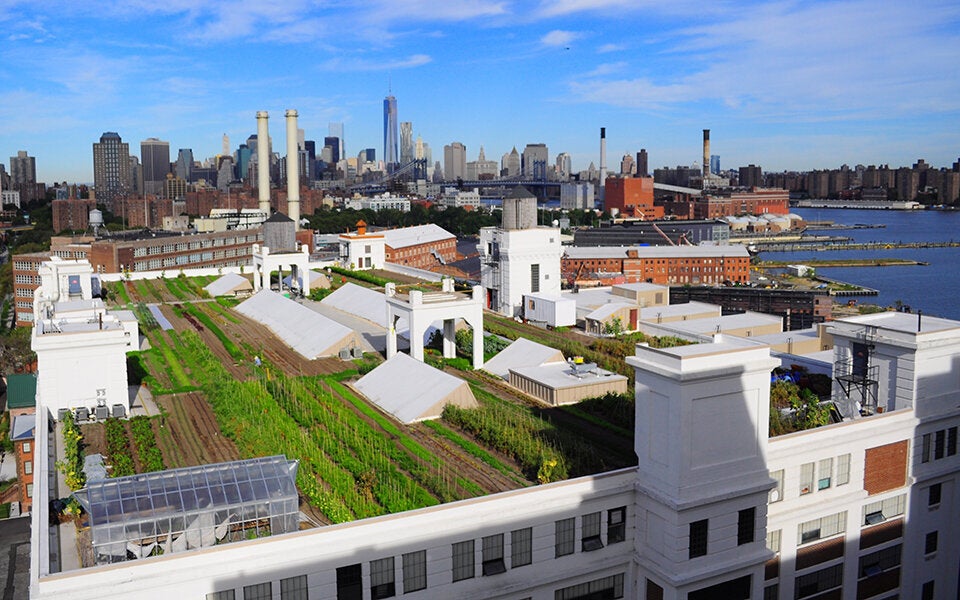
<point>193,507</point>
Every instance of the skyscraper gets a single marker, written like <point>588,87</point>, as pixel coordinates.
<point>390,131</point>
<point>184,166</point>
<point>23,169</point>
<point>715,164</point>
<point>564,166</point>
<point>510,164</point>
<point>155,160</point>
<point>406,142</point>
<point>111,169</point>
<point>454,161</point>
<point>534,161</point>
<point>643,169</point>
<point>335,130</point>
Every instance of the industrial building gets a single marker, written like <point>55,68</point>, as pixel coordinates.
<point>662,265</point>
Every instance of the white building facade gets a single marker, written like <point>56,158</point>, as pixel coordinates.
<point>514,262</point>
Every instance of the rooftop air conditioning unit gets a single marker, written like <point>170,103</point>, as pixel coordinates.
<point>83,413</point>
<point>344,354</point>
<point>102,412</point>
<point>119,411</point>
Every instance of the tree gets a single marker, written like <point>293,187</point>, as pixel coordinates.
<point>613,327</point>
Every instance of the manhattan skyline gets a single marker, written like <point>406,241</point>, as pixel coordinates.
<point>783,85</point>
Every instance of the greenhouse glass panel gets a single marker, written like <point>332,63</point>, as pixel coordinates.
<point>180,509</point>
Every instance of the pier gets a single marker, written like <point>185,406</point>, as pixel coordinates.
<point>838,245</point>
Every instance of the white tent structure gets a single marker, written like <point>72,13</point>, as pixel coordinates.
<point>316,280</point>
<point>522,353</point>
<point>231,284</point>
<point>413,391</point>
<point>361,302</point>
<point>309,333</point>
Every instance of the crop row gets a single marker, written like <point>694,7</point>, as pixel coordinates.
<point>146,444</point>
<point>72,464</point>
<point>118,448</point>
<point>471,448</point>
<point>204,318</point>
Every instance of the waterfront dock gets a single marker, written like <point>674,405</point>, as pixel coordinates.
<point>818,246</point>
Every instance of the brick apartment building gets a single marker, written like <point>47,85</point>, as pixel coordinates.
<point>21,404</point>
<point>72,214</point>
<point>26,279</point>
<point>164,251</point>
<point>662,265</point>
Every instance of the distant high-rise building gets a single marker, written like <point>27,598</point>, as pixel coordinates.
<point>225,145</point>
<point>643,166</point>
<point>334,143</point>
<point>155,161</point>
<point>626,165</point>
<point>564,166</point>
<point>184,167</point>
<point>510,164</point>
<point>336,130</point>
<point>111,169</point>
<point>752,176</point>
<point>454,161</point>
<point>406,142</point>
<point>23,169</point>
<point>715,164</point>
<point>243,161</point>
<point>368,155</point>
<point>390,131</point>
<point>136,176</point>
<point>534,161</point>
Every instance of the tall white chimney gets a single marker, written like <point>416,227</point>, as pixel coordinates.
<point>293,168</point>
<point>263,161</point>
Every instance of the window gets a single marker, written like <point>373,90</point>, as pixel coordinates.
<point>938,444</point>
<point>776,494</point>
<point>493,555</point>
<point>698,538</point>
<point>381,578</point>
<point>294,588</point>
<point>822,528</point>
<point>28,467</point>
<point>934,493</point>
<point>616,525</point>
<point>746,524</point>
<point>930,544</point>
<point>414,571</point>
<point>825,469</point>
<point>521,547</point>
<point>843,469</point>
<point>29,490</point>
<point>819,581</point>
<point>806,478</point>
<point>654,591</point>
<point>773,540</point>
<point>566,536</point>
<point>607,587</point>
<point>463,560</point>
<point>880,561</point>
<point>535,278</point>
<point>877,512</point>
<point>257,591</point>
<point>951,441</point>
<point>224,595</point>
<point>590,539</point>
<point>771,592</point>
<point>927,591</point>
<point>350,582</point>
<point>26,447</point>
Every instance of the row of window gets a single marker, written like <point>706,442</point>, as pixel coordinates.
<point>939,444</point>
<point>699,532</point>
<point>140,251</point>
<point>291,588</point>
<point>27,279</point>
<point>815,476</point>
<point>22,265</point>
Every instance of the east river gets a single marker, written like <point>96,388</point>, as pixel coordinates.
<point>934,289</point>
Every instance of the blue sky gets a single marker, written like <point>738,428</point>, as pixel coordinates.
<point>786,85</point>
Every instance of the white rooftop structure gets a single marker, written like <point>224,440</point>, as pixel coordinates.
<point>745,324</point>
<point>522,353</point>
<point>229,284</point>
<point>678,312</point>
<point>416,235</point>
<point>413,391</point>
<point>309,333</point>
<point>362,302</point>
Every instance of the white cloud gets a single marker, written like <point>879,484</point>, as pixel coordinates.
<point>356,64</point>
<point>607,69</point>
<point>606,48</point>
<point>559,37</point>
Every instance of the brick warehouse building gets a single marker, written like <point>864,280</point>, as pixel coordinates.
<point>757,201</point>
<point>169,251</point>
<point>422,246</point>
<point>800,309</point>
<point>662,265</point>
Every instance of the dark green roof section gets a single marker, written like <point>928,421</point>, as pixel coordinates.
<point>21,390</point>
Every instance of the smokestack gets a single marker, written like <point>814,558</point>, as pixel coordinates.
<point>263,161</point>
<point>603,158</point>
<point>706,154</point>
<point>293,168</point>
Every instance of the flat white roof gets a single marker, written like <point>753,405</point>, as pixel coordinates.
<point>361,302</point>
<point>561,376</point>
<point>722,323</point>
<point>587,252</point>
<point>308,332</point>
<point>903,322</point>
<point>608,309</point>
<point>413,236</point>
<point>787,336</point>
<point>651,313</point>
